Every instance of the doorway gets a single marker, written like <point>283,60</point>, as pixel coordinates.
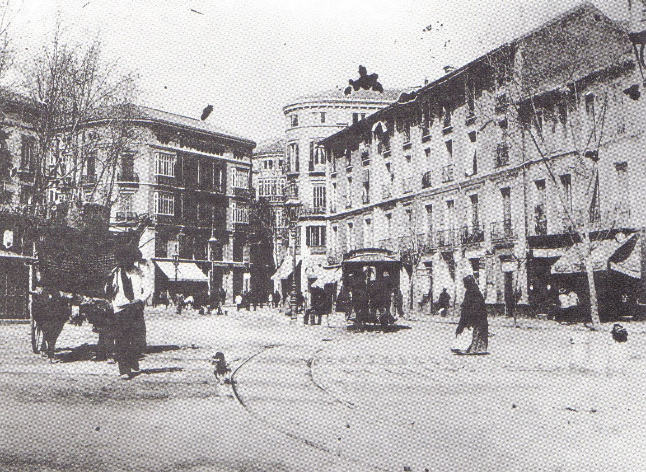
<point>509,293</point>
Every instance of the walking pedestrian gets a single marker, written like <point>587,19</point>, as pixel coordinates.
<point>444,302</point>
<point>276,299</point>
<point>474,315</point>
<point>129,288</point>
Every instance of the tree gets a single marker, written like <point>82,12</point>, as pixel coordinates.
<point>539,90</point>
<point>262,238</point>
<point>77,87</point>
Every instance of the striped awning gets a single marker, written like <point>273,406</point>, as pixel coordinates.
<point>184,272</point>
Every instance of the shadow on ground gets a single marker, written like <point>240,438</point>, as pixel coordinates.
<point>86,352</point>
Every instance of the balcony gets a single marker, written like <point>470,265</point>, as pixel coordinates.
<point>128,180</point>
<point>88,180</point>
<point>122,216</point>
<point>502,231</point>
<point>386,244</point>
<point>334,258</point>
<point>540,227</point>
<point>472,234</point>
<point>165,180</point>
<point>242,192</point>
<point>447,173</point>
<point>407,185</point>
<point>502,155</point>
<point>445,238</point>
<point>318,250</point>
<point>426,179</point>
<point>383,148</point>
<point>163,219</point>
<point>312,210</point>
<point>386,193</point>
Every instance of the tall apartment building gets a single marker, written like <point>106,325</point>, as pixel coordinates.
<point>18,148</point>
<point>193,180</point>
<point>455,173</point>
<point>308,120</point>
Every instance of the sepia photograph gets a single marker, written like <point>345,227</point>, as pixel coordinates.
<point>335,236</point>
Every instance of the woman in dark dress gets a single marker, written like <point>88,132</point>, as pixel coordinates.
<point>474,315</point>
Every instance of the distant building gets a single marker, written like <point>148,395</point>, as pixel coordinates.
<point>18,150</point>
<point>193,180</point>
<point>451,173</point>
<point>308,120</point>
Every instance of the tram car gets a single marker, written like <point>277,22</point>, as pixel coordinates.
<point>370,277</point>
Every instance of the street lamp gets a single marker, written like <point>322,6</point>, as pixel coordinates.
<point>212,242</point>
<point>293,209</point>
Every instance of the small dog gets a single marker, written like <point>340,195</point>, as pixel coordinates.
<point>221,370</point>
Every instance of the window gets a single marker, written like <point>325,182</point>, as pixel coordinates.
<point>239,213</point>
<point>408,211</point>
<point>125,202</point>
<point>164,203</point>
<point>447,117</point>
<point>292,157</point>
<point>566,182</point>
<point>506,204</point>
<point>471,100</point>
<point>317,155</point>
<point>406,131</point>
<point>540,213</point>
<point>333,201</point>
<point>450,214</point>
<point>294,120</point>
<point>319,198</point>
<point>356,117</point>
<point>389,221</point>
<point>240,177</point>
<point>474,152</point>
<point>350,236</point>
<point>315,236</point>
<point>348,201</point>
<point>429,218</point>
<point>165,164</point>
<point>365,193</point>
<point>475,216</point>
<point>449,151</point>
<point>367,233</point>
<point>322,117</point>
<point>27,153</point>
<point>90,163</point>
<point>595,205</point>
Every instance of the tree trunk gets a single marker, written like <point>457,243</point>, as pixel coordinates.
<point>589,269</point>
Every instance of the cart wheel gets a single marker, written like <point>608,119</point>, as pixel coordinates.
<point>36,338</point>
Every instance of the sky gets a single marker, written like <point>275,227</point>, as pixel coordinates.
<point>251,58</point>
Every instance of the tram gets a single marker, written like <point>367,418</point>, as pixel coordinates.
<point>370,278</point>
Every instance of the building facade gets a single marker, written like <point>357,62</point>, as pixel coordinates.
<point>497,168</point>
<point>18,150</point>
<point>308,120</point>
<point>193,181</point>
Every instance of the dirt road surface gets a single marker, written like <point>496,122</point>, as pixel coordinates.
<point>306,398</point>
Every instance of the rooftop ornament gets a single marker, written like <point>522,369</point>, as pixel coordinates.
<point>366,82</point>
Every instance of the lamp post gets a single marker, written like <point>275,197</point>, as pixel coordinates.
<point>293,208</point>
<point>212,242</point>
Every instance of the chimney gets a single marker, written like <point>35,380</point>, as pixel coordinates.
<point>448,69</point>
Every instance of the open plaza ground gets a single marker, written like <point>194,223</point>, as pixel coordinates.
<point>303,398</point>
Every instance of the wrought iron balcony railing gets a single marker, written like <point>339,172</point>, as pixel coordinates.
<point>502,231</point>
<point>445,238</point>
<point>472,234</point>
<point>128,180</point>
<point>447,173</point>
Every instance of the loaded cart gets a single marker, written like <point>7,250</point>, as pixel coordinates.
<point>74,259</point>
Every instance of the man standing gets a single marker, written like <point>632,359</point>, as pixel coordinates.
<point>130,288</point>
<point>444,302</point>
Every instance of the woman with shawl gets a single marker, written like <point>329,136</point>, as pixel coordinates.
<point>474,315</point>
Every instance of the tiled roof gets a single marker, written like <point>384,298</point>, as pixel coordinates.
<point>146,113</point>
<point>270,147</point>
<point>360,95</point>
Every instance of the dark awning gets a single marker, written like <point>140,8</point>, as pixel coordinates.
<point>627,260</point>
